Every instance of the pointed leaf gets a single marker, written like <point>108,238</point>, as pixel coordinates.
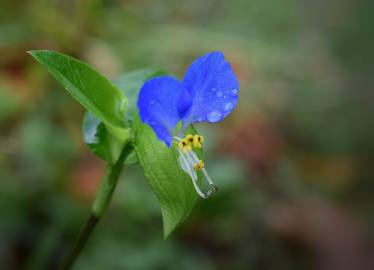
<point>91,89</point>
<point>172,186</point>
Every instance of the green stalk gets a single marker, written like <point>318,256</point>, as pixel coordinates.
<point>99,206</point>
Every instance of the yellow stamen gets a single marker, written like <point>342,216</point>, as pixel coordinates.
<point>184,146</point>
<point>193,141</point>
<point>199,166</point>
<point>198,141</point>
<point>189,138</point>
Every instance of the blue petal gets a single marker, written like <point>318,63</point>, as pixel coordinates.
<point>213,87</point>
<point>160,105</point>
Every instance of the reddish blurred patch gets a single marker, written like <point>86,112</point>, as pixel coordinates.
<point>86,178</point>
<point>336,238</point>
<point>255,141</point>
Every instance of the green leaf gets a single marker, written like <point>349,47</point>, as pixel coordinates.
<point>172,186</point>
<point>91,89</point>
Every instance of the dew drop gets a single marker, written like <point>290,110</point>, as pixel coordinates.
<point>152,102</point>
<point>234,91</point>
<point>214,89</point>
<point>214,116</point>
<point>228,106</point>
<point>219,94</point>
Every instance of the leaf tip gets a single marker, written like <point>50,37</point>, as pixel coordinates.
<point>34,53</point>
<point>169,224</point>
<point>31,52</point>
<point>167,232</point>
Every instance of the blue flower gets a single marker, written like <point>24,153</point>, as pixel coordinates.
<point>207,93</point>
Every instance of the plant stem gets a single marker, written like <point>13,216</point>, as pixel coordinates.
<point>102,200</point>
<point>80,242</point>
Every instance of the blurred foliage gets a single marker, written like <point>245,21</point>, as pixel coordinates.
<point>293,163</point>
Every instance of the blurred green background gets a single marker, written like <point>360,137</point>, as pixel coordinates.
<point>294,162</point>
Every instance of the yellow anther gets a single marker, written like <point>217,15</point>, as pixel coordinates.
<point>189,138</point>
<point>199,165</point>
<point>198,141</point>
<point>190,141</point>
<point>184,146</point>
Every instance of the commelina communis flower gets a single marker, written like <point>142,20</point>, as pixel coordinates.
<point>207,93</point>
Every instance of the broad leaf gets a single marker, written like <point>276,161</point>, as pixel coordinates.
<point>172,186</point>
<point>91,89</point>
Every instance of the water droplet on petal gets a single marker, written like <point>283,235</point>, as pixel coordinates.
<point>234,91</point>
<point>214,116</point>
<point>214,89</point>
<point>152,102</point>
<point>228,106</point>
<point>219,94</point>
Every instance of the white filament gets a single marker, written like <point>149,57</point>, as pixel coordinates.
<point>187,161</point>
<point>188,168</point>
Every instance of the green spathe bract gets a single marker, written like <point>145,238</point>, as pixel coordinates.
<point>130,84</point>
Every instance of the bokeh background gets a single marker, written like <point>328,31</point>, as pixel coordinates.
<point>294,162</point>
